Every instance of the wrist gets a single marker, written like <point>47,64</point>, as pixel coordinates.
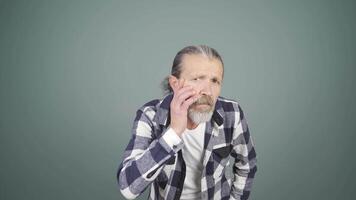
<point>172,139</point>
<point>177,131</point>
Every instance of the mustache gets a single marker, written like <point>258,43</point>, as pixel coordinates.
<point>204,100</point>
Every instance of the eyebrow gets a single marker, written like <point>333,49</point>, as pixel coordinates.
<point>204,76</point>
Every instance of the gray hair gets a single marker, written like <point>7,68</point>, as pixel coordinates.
<point>203,50</point>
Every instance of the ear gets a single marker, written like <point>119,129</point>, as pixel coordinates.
<point>173,82</point>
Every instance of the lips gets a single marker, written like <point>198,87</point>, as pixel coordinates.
<point>204,100</point>
<point>202,107</point>
<point>202,104</point>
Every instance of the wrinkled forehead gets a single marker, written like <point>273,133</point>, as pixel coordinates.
<point>193,63</point>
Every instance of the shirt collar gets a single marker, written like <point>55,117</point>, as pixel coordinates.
<point>163,111</point>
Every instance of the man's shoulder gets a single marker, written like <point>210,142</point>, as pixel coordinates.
<point>229,105</point>
<point>163,102</point>
<point>156,109</point>
<point>151,106</point>
<point>152,103</point>
<point>227,100</point>
<point>230,108</point>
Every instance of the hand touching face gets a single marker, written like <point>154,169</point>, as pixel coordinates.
<point>196,90</point>
<point>205,76</point>
<point>183,97</point>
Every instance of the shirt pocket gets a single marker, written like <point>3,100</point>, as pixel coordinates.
<point>222,152</point>
<point>221,159</point>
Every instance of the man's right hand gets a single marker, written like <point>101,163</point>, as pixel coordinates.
<point>183,97</point>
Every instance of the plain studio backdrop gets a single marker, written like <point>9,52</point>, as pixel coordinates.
<point>73,74</point>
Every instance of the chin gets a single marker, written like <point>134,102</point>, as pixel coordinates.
<point>200,117</point>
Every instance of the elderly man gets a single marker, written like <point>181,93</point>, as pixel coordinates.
<point>181,144</point>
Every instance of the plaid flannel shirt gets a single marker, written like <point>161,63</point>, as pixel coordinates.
<point>151,158</point>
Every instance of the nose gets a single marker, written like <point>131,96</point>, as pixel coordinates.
<point>206,88</point>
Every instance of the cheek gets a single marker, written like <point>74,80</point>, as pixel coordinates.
<point>216,91</point>
<point>194,85</point>
<point>215,94</point>
<point>189,82</point>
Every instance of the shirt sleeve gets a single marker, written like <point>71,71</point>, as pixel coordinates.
<point>171,138</point>
<point>145,155</point>
<point>244,167</point>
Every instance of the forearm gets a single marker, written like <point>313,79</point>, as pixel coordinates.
<point>243,180</point>
<point>141,167</point>
<point>245,160</point>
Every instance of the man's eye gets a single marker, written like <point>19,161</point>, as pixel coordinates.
<point>216,81</point>
<point>195,79</point>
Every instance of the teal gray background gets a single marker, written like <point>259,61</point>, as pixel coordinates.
<point>73,74</point>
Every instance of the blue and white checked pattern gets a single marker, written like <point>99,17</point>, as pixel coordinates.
<point>150,159</point>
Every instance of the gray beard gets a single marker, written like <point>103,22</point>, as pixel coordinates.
<point>199,117</point>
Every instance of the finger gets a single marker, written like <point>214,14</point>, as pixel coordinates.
<point>190,101</point>
<point>177,100</point>
<point>185,95</point>
<point>183,90</point>
<point>178,84</point>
